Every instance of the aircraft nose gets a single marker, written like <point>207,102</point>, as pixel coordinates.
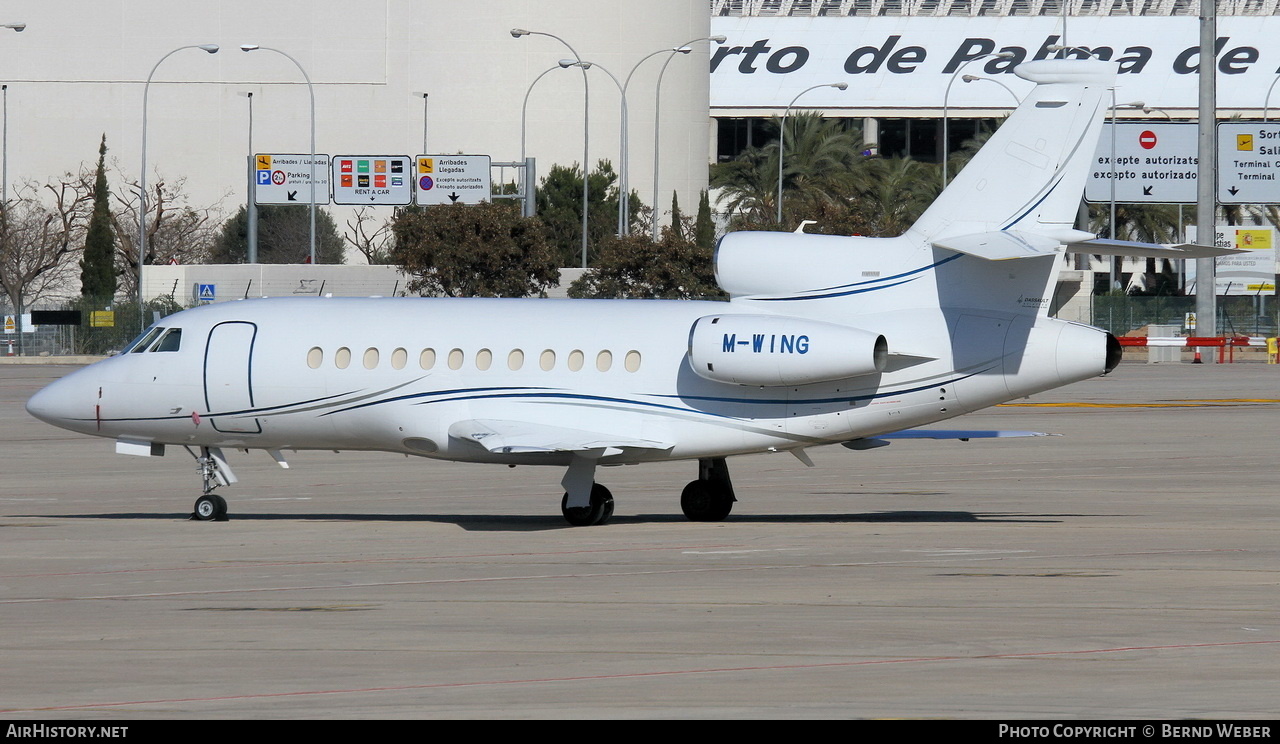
<point>56,404</point>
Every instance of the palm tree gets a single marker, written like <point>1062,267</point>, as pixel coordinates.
<point>891,193</point>
<point>820,158</point>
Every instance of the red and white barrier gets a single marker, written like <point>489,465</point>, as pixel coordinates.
<point>1224,343</point>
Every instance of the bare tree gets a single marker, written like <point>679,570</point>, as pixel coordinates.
<point>41,230</point>
<point>374,242</point>
<point>176,230</point>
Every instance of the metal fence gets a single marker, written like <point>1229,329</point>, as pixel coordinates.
<point>1237,316</point>
<point>56,340</point>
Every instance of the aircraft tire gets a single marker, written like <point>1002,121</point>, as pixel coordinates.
<point>599,512</point>
<point>210,507</point>
<point>706,501</point>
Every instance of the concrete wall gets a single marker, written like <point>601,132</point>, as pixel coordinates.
<point>78,71</point>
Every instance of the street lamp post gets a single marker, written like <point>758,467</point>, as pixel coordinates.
<point>251,205</point>
<point>976,78</point>
<point>946,98</point>
<point>1115,260</point>
<point>312,91</point>
<point>624,192</point>
<point>1266,102</point>
<point>622,139</point>
<point>782,133</point>
<point>4,176</point>
<point>516,33</point>
<point>524,107</point>
<point>657,121</point>
<point>142,177</point>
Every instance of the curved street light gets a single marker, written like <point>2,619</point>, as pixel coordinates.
<point>516,33</point>
<point>1115,260</point>
<point>142,177</point>
<point>657,120</point>
<point>622,140</point>
<point>1266,102</point>
<point>976,78</point>
<point>312,91</point>
<point>524,107</point>
<point>782,134</point>
<point>946,97</point>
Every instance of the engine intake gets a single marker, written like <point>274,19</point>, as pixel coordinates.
<point>773,350</point>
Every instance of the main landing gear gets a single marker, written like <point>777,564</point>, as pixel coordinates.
<point>597,512</point>
<point>214,472</point>
<point>708,499</point>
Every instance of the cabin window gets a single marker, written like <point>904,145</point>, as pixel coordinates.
<point>315,357</point>
<point>547,361</point>
<point>455,359</point>
<point>604,360</point>
<point>632,361</point>
<point>342,358</point>
<point>140,345</point>
<point>575,360</point>
<point>484,359</point>
<point>427,359</point>
<point>370,358</point>
<point>399,358</point>
<point>172,341</point>
<point>515,360</point>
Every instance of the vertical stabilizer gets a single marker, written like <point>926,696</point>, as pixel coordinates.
<point>1030,174</point>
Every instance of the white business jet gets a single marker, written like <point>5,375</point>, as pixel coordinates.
<point>825,340</point>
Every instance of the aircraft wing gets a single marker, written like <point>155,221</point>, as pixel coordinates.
<point>1002,245</point>
<point>506,436</point>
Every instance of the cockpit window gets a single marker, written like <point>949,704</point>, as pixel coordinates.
<point>140,345</point>
<point>172,341</point>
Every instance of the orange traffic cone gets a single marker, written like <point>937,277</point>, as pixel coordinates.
<point>1197,359</point>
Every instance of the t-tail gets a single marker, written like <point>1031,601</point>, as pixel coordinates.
<point>1026,182</point>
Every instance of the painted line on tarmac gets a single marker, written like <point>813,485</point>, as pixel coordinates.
<point>642,675</point>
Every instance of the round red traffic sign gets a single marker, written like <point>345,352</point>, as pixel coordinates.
<point>1147,139</point>
<point>277,177</point>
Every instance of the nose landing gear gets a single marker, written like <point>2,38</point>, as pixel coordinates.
<point>214,472</point>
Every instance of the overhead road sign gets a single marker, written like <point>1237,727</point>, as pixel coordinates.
<point>1249,163</point>
<point>286,179</point>
<point>453,179</point>
<point>372,179</point>
<point>1155,164</point>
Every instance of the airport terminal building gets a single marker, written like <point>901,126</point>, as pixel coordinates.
<point>395,77</point>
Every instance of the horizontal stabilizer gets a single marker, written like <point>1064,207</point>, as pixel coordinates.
<point>1108,247</point>
<point>1000,245</point>
<point>505,436</point>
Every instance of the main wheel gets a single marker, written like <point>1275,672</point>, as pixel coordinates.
<point>706,501</point>
<point>599,512</point>
<point>210,507</point>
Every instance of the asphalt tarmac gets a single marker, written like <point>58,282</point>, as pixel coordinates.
<point>1128,568</point>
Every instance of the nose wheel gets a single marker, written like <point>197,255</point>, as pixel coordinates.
<point>210,508</point>
<point>214,472</point>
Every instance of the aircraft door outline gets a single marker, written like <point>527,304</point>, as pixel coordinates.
<point>228,376</point>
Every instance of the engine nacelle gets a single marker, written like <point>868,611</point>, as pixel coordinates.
<point>773,350</point>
